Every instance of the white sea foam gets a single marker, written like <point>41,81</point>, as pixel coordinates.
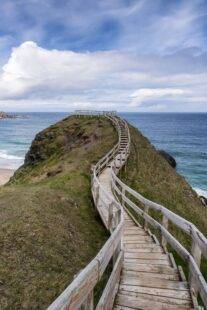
<point>10,161</point>
<point>4,155</point>
<point>201,192</point>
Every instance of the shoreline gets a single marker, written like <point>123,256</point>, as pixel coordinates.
<point>5,175</point>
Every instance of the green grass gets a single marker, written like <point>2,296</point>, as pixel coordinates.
<point>49,227</point>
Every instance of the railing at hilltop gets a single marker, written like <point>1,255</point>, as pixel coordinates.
<point>94,113</point>
<point>79,294</point>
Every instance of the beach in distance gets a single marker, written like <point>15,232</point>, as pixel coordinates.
<point>5,175</point>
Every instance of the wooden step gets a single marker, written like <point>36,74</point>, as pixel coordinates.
<point>157,262</point>
<point>135,238</point>
<point>151,249</point>
<point>153,256</point>
<point>179,294</point>
<point>141,303</point>
<point>148,268</point>
<point>135,246</point>
<point>154,283</point>
<point>149,275</point>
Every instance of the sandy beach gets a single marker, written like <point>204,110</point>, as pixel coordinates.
<point>5,175</point>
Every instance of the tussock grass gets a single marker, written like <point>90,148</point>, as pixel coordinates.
<point>49,227</point>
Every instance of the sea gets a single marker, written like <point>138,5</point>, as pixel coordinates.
<point>183,135</point>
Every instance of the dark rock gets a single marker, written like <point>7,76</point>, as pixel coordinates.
<point>171,160</point>
<point>204,200</point>
<point>54,172</point>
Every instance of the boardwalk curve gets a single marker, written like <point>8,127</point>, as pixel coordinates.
<point>144,274</point>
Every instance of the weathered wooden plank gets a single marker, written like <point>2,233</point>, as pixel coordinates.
<point>148,268</point>
<point>117,307</point>
<point>154,283</point>
<point>149,275</point>
<point>143,249</point>
<point>148,261</point>
<point>123,300</point>
<point>135,232</point>
<point>153,256</point>
<point>145,245</point>
<point>136,238</point>
<point>107,299</point>
<point>169,300</point>
<point>179,294</point>
<point>133,228</point>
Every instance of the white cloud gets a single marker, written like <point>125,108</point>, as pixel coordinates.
<point>41,79</point>
<point>144,94</point>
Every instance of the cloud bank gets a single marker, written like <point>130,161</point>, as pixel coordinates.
<point>65,80</point>
<point>135,55</point>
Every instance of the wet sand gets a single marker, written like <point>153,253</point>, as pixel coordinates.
<point>5,175</point>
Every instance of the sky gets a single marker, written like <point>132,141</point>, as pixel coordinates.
<point>124,55</point>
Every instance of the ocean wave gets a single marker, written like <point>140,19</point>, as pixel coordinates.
<point>4,155</point>
<point>200,192</point>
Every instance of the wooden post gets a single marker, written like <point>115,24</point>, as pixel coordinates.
<point>110,216</point>
<point>146,210</point>
<point>117,217</point>
<point>122,197</point>
<point>88,303</point>
<point>96,195</point>
<point>165,225</point>
<point>196,253</point>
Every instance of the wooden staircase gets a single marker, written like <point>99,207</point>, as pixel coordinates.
<point>144,274</point>
<point>149,277</point>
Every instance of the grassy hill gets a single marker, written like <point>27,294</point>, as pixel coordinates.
<point>49,228</point>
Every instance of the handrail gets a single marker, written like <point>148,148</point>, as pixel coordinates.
<point>80,291</point>
<point>199,242</point>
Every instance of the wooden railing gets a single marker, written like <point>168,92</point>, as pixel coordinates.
<point>199,242</point>
<point>79,294</point>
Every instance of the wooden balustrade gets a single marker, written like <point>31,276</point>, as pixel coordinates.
<point>199,242</point>
<point>79,294</point>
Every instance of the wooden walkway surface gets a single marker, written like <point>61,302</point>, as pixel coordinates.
<point>149,277</point>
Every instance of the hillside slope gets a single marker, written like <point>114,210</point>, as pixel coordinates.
<point>49,228</point>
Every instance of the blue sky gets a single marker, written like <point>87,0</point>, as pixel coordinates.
<point>127,55</point>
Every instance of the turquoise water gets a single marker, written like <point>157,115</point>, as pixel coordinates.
<point>182,135</point>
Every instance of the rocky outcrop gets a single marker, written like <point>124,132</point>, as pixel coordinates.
<point>171,160</point>
<point>202,195</point>
<point>4,115</point>
<point>204,200</point>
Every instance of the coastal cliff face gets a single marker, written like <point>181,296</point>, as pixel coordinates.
<point>50,229</point>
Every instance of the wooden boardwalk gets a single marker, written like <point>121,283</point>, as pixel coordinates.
<point>149,277</point>
<point>144,274</point>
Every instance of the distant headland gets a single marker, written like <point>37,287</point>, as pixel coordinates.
<point>4,115</point>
